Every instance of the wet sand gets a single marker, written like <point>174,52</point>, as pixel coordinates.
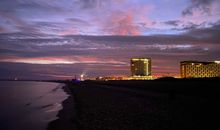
<point>67,119</point>
<point>140,105</point>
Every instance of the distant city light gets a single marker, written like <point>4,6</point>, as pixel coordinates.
<point>199,69</point>
<point>82,77</point>
<point>218,62</point>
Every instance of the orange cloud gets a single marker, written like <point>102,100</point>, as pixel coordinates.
<point>122,24</point>
<point>129,21</point>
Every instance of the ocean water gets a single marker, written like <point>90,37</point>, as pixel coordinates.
<point>29,105</point>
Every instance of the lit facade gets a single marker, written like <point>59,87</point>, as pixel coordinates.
<point>196,69</point>
<point>140,67</point>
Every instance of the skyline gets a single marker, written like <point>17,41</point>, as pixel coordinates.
<point>59,39</point>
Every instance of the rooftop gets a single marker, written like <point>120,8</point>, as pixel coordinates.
<point>199,62</point>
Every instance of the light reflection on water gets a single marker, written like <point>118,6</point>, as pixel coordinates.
<point>29,105</point>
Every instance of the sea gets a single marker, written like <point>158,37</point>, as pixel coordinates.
<point>29,105</point>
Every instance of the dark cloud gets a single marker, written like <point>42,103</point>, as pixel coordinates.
<point>195,40</point>
<point>150,40</point>
<point>173,22</point>
<point>202,5</point>
<point>19,5</point>
<point>88,4</point>
<point>210,34</point>
<point>78,21</point>
<point>190,26</point>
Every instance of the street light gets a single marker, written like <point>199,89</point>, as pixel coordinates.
<point>81,77</point>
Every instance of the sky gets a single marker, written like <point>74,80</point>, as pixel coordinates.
<point>58,39</point>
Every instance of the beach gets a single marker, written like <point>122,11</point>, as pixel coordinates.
<point>139,105</point>
<point>67,116</point>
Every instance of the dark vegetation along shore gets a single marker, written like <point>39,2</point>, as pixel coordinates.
<point>165,104</point>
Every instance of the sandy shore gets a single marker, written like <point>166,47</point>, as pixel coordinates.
<point>155,105</point>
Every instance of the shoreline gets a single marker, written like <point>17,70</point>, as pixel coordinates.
<point>67,117</point>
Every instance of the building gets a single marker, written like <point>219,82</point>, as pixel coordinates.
<point>140,67</point>
<point>197,69</point>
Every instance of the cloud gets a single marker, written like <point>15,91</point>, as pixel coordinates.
<point>210,34</point>
<point>125,19</point>
<point>173,22</point>
<point>98,17</point>
<point>98,4</point>
<point>26,8</point>
<point>39,5</point>
<point>78,21</point>
<point>17,24</point>
<point>12,19</point>
<point>59,60</point>
<point>87,4</point>
<point>3,30</point>
<point>74,26</point>
<point>37,46</point>
<point>122,24</point>
<point>204,6</point>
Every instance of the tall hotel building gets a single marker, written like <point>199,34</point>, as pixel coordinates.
<point>140,67</point>
<point>197,69</point>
